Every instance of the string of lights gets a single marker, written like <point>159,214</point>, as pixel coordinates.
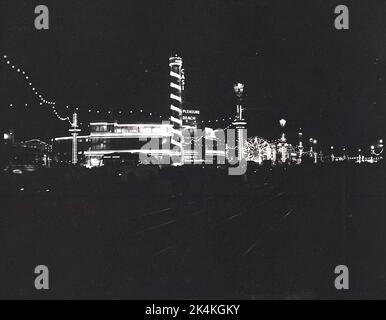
<point>52,104</point>
<point>27,79</point>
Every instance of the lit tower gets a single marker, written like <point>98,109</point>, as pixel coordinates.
<point>177,86</point>
<point>240,123</point>
<point>283,140</point>
<point>301,147</point>
<point>74,132</point>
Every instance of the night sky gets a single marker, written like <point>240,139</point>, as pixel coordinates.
<point>114,55</point>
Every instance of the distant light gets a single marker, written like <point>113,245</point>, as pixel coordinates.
<point>47,190</point>
<point>22,189</point>
<point>8,62</point>
<point>6,136</point>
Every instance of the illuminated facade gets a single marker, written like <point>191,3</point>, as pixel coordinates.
<point>177,142</point>
<point>108,139</point>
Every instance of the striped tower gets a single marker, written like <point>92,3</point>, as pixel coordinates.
<point>177,84</point>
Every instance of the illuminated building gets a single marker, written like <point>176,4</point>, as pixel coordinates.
<point>25,155</point>
<point>177,142</point>
<point>116,139</point>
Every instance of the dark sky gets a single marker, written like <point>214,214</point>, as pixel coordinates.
<point>114,55</point>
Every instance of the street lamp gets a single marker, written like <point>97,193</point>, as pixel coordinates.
<point>332,154</point>
<point>301,148</point>
<point>283,139</point>
<point>240,123</point>
<point>239,91</point>
<point>359,155</point>
<point>283,123</point>
<point>372,153</point>
<point>344,153</point>
<point>311,140</point>
<point>315,142</point>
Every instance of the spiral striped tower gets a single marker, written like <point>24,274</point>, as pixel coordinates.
<point>177,85</point>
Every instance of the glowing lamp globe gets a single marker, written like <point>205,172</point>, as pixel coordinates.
<point>283,122</point>
<point>239,89</point>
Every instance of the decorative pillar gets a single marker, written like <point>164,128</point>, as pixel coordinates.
<point>74,132</point>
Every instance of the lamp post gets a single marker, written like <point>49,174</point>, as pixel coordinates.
<point>332,154</point>
<point>372,148</point>
<point>359,155</point>
<point>315,142</point>
<point>283,140</point>
<point>311,146</point>
<point>301,148</point>
<point>283,123</point>
<point>240,124</point>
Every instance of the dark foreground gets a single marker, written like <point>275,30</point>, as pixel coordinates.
<point>194,233</point>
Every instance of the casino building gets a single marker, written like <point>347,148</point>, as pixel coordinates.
<point>178,139</point>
